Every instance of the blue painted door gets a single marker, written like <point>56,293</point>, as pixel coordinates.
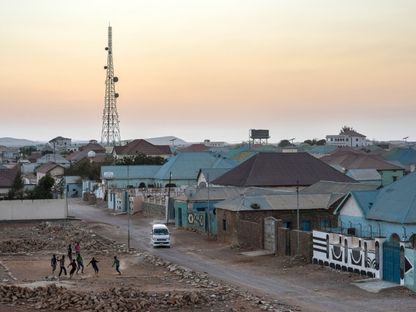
<point>180,217</point>
<point>391,261</point>
<point>306,225</point>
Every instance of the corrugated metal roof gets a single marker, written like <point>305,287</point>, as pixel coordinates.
<point>140,146</point>
<point>56,158</point>
<point>364,174</point>
<point>365,199</point>
<point>322,149</point>
<point>329,187</point>
<point>213,173</point>
<point>405,156</point>
<point>186,165</point>
<point>225,192</point>
<point>131,171</point>
<point>7,177</point>
<point>45,168</point>
<point>280,169</point>
<point>349,159</point>
<point>396,202</point>
<point>73,179</point>
<point>276,202</point>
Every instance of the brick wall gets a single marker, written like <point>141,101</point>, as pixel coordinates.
<point>283,241</point>
<point>250,234</point>
<point>246,229</point>
<point>227,226</point>
<point>305,244</point>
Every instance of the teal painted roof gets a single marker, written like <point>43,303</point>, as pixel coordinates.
<point>185,166</point>
<point>405,156</point>
<point>396,202</point>
<point>131,171</point>
<point>322,149</point>
<point>365,199</point>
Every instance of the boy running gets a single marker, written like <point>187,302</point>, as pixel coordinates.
<point>54,261</point>
<point>117,264</point>
<point>94,262</point>
<point>73,266</point>
<point>62,265</point>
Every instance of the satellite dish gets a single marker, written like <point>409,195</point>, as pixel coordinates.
<point>91,154</point>
<point>105,67</point>
<point>106,48</point>
<point>116,95</point>
<point>115,79</point>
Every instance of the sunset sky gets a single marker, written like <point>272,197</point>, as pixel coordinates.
<point>209,69</point>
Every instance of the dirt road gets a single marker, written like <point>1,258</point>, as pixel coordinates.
<point>310,287</point>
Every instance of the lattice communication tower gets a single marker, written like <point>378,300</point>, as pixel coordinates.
<point>110,134</point>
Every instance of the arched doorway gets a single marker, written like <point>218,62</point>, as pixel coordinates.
<point>391,259</point>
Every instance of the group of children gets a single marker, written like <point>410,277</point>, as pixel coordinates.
<point>77,263</point>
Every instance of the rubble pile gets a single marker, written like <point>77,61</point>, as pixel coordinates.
<point>115,299</point>
<point>57,236</point>
<point>54,298</point>
<point>201,292</point>
<point>21,245</point>
<point>222,291</point>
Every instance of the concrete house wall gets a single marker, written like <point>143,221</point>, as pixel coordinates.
<point>351,215</point>
<point>57,171</point>
<point>196,216</point>
<point>390,176</point>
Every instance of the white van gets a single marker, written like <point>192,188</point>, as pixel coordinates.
<point>160,235</point>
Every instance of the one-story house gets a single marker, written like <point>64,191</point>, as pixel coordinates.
<point>280,170</point>
<point>7,177</point>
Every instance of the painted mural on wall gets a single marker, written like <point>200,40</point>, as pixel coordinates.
<point>196,219</point>
<point>409,268</point>
<point>347,253</point>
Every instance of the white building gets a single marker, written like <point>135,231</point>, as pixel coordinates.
<point>348,138</point>
<point>61,144</point>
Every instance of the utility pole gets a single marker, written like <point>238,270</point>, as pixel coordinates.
<point>128,208</point>
<point>297,216</point>
<point>208,210</point>
<point>168,199</point>
<point>110,133</point>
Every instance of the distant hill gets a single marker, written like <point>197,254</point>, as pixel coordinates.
<point>12,142</point>
<point>167,140</point>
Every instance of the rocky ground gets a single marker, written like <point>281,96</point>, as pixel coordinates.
<point>147,283</point>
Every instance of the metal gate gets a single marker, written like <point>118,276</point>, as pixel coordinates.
<point>270,234</point>
<point>391,261</point>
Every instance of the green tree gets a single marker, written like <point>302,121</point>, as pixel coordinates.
<point>44,188</point>
<point>27,150</point>
<point>284,143</point>
<point>142,159</point>
<point>86,169</point>
<point>16,190</point>
<point>315,142</point>
<point>346,129</point>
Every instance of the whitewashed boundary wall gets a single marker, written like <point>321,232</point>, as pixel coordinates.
<point>32,209</point>
<point>348,253</point>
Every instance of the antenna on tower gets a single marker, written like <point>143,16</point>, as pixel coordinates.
<point>110,133</point>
